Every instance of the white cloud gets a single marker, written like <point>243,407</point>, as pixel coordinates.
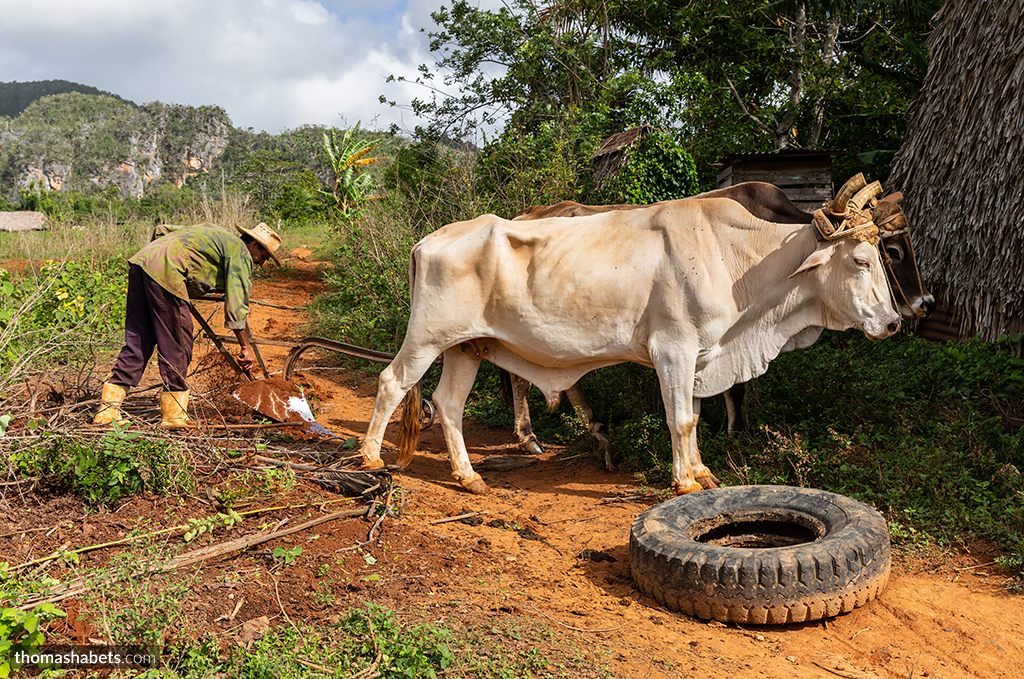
<point>310,13</point>
<point>271,64</point>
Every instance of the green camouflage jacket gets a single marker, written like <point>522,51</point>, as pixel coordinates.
<point>192,261</point>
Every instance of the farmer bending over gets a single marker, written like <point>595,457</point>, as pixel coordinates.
<point>188,262</point>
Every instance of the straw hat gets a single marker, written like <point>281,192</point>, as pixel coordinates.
<point>265,236</point>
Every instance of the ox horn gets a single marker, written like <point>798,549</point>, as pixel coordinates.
<point>861,198</point>
<point>852,186</point>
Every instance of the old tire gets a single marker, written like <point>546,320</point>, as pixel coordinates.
<point>760,554</point>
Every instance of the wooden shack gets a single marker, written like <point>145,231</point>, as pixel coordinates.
<point>804,176</point>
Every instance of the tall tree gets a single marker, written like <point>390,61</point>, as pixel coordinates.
<point>781,64</point>
<point>519,65</point>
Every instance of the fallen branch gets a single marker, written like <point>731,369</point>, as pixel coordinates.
<point>467,515</point>
<point>80,585</point>
<point>30,479</point>
<point>269,425</point>
<point>180,529</point>
<point>278,306</point>
<point>284,463</point>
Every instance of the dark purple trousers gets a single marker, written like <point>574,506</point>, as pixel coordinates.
<point>154,318</point>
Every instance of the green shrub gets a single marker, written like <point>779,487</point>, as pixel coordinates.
<point>21,631</point>
<point>104,472</point>
<point>39,315</point>
<point>656,169</point>
<point>368,288</point>
<point>371,637</point>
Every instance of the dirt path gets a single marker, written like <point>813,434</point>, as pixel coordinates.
<point>941,616</point>
<point>937,618</point>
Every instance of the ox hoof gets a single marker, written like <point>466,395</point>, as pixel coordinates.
<point>372,464</point>
<point>532,447</point>
<point>683,489</point>
<point>474,484</point>
<point>477,487</point>
<point>708,481</point>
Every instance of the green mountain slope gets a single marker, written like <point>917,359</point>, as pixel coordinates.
<point>15,97</point>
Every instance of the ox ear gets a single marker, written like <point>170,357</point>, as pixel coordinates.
<point>820,256</point>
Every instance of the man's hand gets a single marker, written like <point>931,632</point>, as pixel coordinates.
<point>247,359</point>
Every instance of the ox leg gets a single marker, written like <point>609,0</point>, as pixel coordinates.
<point>701,473</point>
<point>520,404</point>
<point>395,381</point>
<point>583,409</point>
<point>689,474</point>
<point>734,407</point>
<point>457,378</point>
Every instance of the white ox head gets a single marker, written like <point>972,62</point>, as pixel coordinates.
<point>852,285</point>
<point>850,277</point>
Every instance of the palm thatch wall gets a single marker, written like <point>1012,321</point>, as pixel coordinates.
<point>961,166</point>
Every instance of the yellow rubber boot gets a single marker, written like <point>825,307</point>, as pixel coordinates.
<point>173,406</point>
<point>112,397</point>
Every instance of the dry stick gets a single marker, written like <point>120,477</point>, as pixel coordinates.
<point>19,481</point>
<point>576,629</point>
<point>835,671</point>
<point>283,463</point>
<point>369,671</point>
<point>314,666</point>
<point>199,556</point>
<point>34,530</point>
<point>277,306</point>
<point>277,595</point>
<point>467,515</point>
<point>272,425</point>
<point>387,510</point>
<point>172,529</point>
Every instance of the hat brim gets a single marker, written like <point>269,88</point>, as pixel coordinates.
<point>252,234</point>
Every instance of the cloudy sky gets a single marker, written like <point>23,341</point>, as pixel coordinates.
<point>271,64</point>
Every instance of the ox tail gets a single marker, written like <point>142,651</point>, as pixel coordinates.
<point>410,434</point>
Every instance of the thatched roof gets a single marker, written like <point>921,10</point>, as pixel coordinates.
<point>613,152</point>
<point>22,221</point>
<point>961,166</point>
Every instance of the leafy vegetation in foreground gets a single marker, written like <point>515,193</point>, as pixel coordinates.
<point>376,642</point>
<point>104,472</point>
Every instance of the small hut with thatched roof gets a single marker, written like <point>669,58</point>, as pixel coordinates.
<point>614,151</point>
<point>961,168</point>
<point>22,221</point>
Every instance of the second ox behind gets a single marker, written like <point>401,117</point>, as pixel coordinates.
<point>700,289</point>
<point>770,203</point>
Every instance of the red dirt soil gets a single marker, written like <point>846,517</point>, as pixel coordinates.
<point>942,614</point>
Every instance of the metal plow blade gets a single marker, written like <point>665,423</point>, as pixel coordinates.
<point>281,401</point>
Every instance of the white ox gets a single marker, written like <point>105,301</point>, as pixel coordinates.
<point>699,289</point>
